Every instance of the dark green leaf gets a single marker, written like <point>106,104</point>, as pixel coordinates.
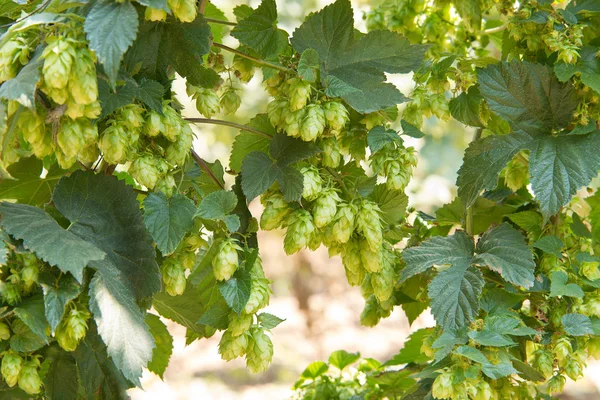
<point>244,144</point>
<point>164,345</point>
<point>22,87</point>
<point>111,28</point>
<point>28,187</point>
<point>185,309</point>
<point>588,67</point>
<point>411,352</point>
<point>356,66</point>
<point>168,220</point>
<point>529,221</point>
<point>579,228</point>
<point>151,93</point>
<point>551,245</point>
<point>236,290</point>
<point>218,206</point>
<point>392,203</point>
<point>31,312</point>
<point>112,99</point>
<point>42,235</point>
<point>577,325</point>
<point>23,340</point>
<point>341,359</point>
<point>493,371</point>
<point>559,286</point>
<point>62,381</point>
<point>411,130</point>
<point>497,329</point>
<point>466,107</point>
<point>308,65</point>
<point>503,249</point>
<point>56,296</point>
<point>259,31</point>
<point>379,136</point>
<point>288,150</point>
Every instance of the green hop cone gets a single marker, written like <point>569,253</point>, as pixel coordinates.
<point>313,123</point>
<point>29,274</point>
<point>574,368</point>
<point>590,270</point>
<point>373,312</point>
<point>131,117</point>
<point>207,102</point>
<point>593,346</point>
<point>300,229</point>
<point>64,339</point>
<point>344,222</point>
<point>83,85</point>
<point>10,293</point>
<point>516,173</point>
<point>231,347</point>
<point>374,119</point>
<point>155,14</point>
<point>173,275</point>
<point>368,222</point>
<point>77,322</point>
<point>166,184</point>
<point>483,391</point>
<point>59,56</point>
<point>172,123</point>
<point>563,350</point>
<point>325,207</point>
<point>12,363</point>
<point>239,324</point>
<point>383,281</point>
<point>312,183</point>
<point>332,153</point>
<point>230,101</point>
<point>29,379</point>
<point>225,263</point>
<point>544,362</point>
<point>244,68</point>
<point>114,144</point>
<point>153,124</point>
<point>371,260</point>
<point>276,210</point>
<point>177,152</point>
<point>556,384</point>
<point>397,175</point>
<point>443,386</point>
<point>71,137</point>
<point>4,331</point>
<point>299,93</point>
<point>276,112</point>
<point>292,122</point>
<point>145,171</point>
<point>260,291</point>
<point>9,53</point>
<point>260,351</point>
<point>273,84</point>
<point>336,116</point>
<point>355,273</point>
<point>183,10</point>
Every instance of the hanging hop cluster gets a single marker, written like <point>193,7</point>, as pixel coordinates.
<point>395,163</point>
<point>21,371</point>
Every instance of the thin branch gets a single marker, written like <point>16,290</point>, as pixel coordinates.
<point>202,6</point>
<point>339,180</point>
<point>249,57</point>
<point>230,124</point>
<point>497,29</point>
<point>470,211</point>
<point>219,21</point>
<point>202,164</point>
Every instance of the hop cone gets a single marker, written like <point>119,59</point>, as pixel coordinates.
<point>231,347</point>
<point>59,56</point>
<point>313,123</point>
<point>4,331</point>
<point>230,101</point>
<point>276,112</point>
<point>313,183</point>
<point>114,144</point>
<point>70,138</point>
<point>344,222</point>
<point>259,291</point>
<point>371,260</point>
<point>352,263</point>
<point>299,92</point>
<point>183,10</point>
<point>276,210</point>
<point>144,169</point>
<point>29,379</point>
<point>177,152</point>
<point>153,125</point>
<point>155,14</point>
<point>83,85</point>
<point>443,386</point>
<point>239,324</point>
<point>336,116</point>
<point>368,222</point>
<point>166,184</point>
<point>12,363</point>
<point>207,102</point>
<point>556,384</point>
<point>383,281</point>
<point>292,122</point>
<point>544,362</point>
<point>260,351</point>
<point>300,228</point>
<point>225,262</point>
<point>174,277</point>
<point>325,208</point>
<point>332,153</point>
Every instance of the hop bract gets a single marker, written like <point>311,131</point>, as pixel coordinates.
<point>225,263</point>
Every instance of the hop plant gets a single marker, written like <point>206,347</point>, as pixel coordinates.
<point>29,379</point>
<point>443,386</point>
<point>313,183</point>
<point>556,384</point>
<point>114,144</point>
<point>276,112</point>
<point>178,151</point>
<point>276,210</point>
<point>83,85</point>
<point>173,276</point>
<point>368,223</point>
<point>239,324</point>
<point>207,100</point>
<point>231,347</point>
<point>12,363</point>
<point>260,350</point>
<point>336,116</point>
<point>153,125</point>
<point>183,10</point>
<point>72,329</point>
<point>313,123</point>
<point>147,170</point>
<point>544,362</point>
<point>59,56</point>
<point>4,331</point>
<point>300,229</point>
<point>384,280</point>
<point>332,153</point>
<point>292,122</point>
<point>355,272</point>
<point>225,263</point>
<point>299,92</point>
<point>230,100</point>
<point>344,222</point>
<point>259,290</point>
<point>325,207</point>
<point>166,184</point>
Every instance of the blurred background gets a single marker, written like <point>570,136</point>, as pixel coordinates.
<point>310,289</point>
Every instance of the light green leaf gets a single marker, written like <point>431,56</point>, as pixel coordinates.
<point>22,87</point>
<point>218,206</point>
<point>111,28</point>
<point>455,250</point>
<point>308,65</point>
<point>62,381</point>
<point>497,329</point>
<point>551,245</point>
<point>493,371</point>
<point>379,136</point>
<point>217,30</point>
<point>503,249</point>
<point>164,345</point>
<point>577,325</point>
<point>185,309</point>
<point>528,96</point>
<point>315,369</point>
<point>392,203</point>
<point>454,295</point>
<point>447,341</point>
<point>559,286</point>
<point>168,220</point>
<point>411,352</point>
<point>269,321</point>
<point>56,296</point>
<point>579,228</point>
<point>48,240</point>
<point>236,290</point>
<point>341,359</point>
<point>357,65</point>
<point>31,312</point>
<point>158,4</point>
<point>559,166</point>
<point>259,31</point>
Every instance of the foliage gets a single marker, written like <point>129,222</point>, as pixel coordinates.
<point>93,260</point>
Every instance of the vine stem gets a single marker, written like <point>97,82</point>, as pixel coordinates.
<point>202,6</point>
<point>230,124</point>
<point>470,210</point>
<point>497,29</point>
<point>249,57</point>
<point>204,166</point>
<point>339,180</point>
<point>219,21</point>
